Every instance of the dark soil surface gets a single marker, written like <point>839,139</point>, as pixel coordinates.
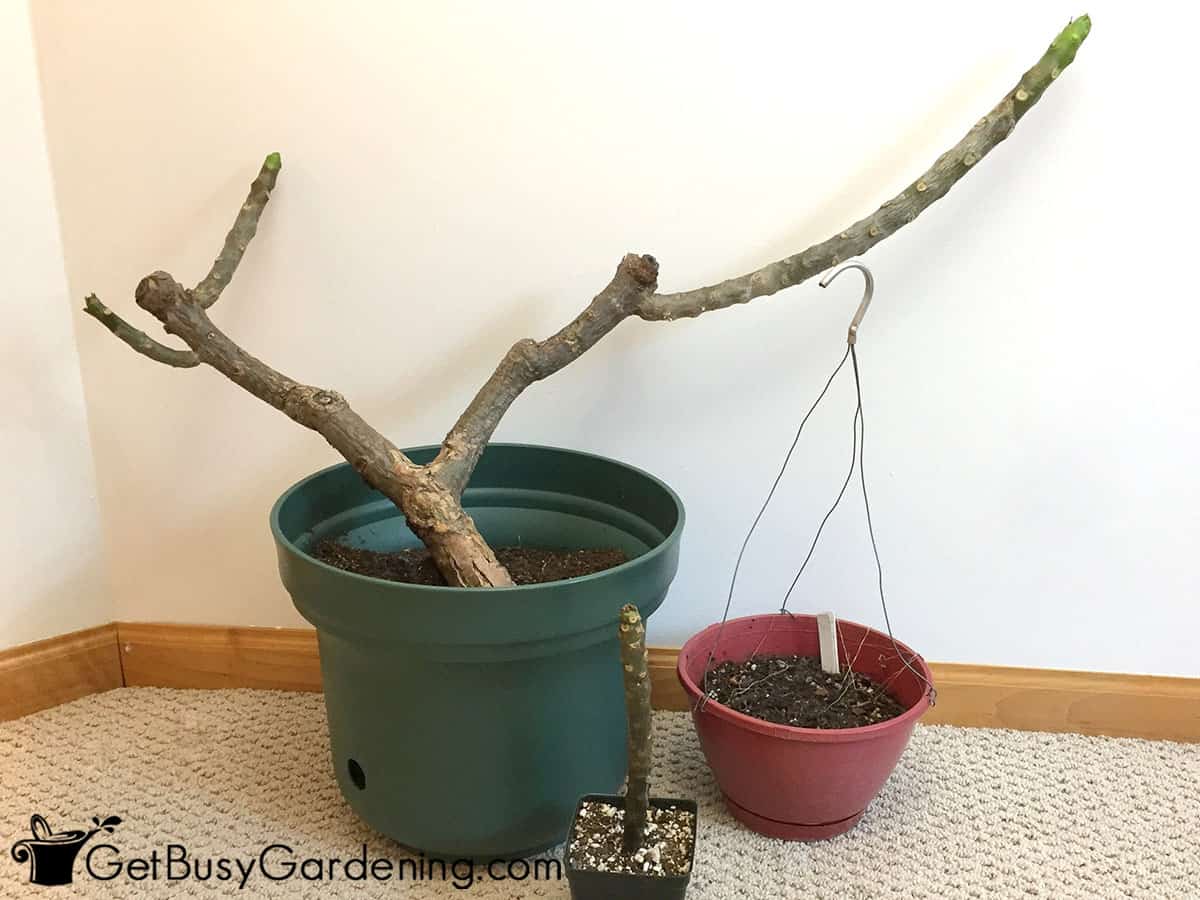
<point>596,842</point>
<point>526,565</point>
<point>795,690</point>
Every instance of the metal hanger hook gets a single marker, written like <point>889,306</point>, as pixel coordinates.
<point>868,293</point>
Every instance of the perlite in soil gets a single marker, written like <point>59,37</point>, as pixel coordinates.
<point>632,836</point>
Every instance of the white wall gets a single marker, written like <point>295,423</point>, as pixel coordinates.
<point>460,175</point>
<point>52,576</point>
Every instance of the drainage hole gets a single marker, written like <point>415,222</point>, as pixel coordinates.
<point>357,775</point>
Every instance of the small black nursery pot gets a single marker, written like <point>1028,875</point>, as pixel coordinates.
<point>590,883</point>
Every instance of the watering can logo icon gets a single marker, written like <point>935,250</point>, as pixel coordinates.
<point>51,855</point>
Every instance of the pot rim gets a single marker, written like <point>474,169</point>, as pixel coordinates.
<point>793,732</point>
<point>526,589</point>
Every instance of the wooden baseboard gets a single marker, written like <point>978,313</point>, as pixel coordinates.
<point>59,669</point>
<point>208,656</point>
<point>212,656</point>
<point>1143,706</point>
<point>665,690</point>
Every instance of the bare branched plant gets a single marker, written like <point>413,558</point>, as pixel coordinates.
<point>430,495</point>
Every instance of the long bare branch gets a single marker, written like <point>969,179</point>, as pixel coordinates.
<point>952,165</point>
<point>322,410</point>
<point>529,361</point>
<point>245,226</point>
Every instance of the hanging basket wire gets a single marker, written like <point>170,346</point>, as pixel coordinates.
<point>858,428</point>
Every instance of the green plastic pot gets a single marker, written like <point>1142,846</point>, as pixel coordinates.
<point>467,722</point>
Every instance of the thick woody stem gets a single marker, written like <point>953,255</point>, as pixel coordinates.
<point>435,514</point>
<point>634,667</point>
<point>952,165</point>
<point>429,496</point>
<point>529,361</point>
<point>245,226</point>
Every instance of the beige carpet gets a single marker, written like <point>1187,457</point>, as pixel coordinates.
<point>968,813</point>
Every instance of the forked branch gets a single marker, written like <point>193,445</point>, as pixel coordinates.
<point>433,513</point>
<point>429,496</point>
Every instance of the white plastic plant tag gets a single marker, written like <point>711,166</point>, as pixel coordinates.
<point>827,632</point>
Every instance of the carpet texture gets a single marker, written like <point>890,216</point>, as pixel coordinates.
<point>968,813</point>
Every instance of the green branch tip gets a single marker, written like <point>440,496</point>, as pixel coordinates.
<point>93,307</point>
<point>1059,55</point>
<point>272,162</point>
<point>1069,39</point>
